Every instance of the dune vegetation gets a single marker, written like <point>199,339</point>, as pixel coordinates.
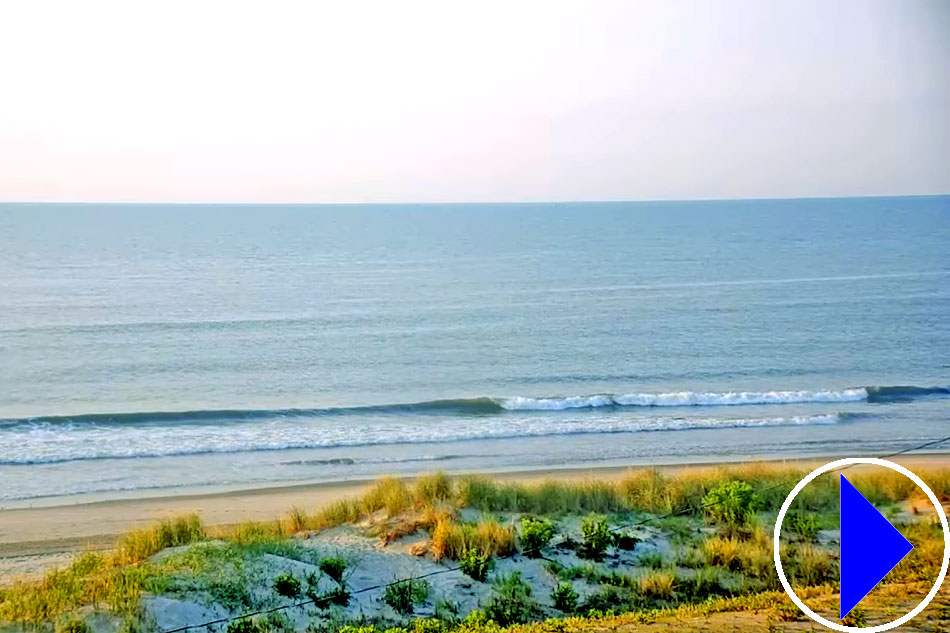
<point>441,554</point>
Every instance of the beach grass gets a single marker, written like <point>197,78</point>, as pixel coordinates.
<point>488,536</point>
<point>720,558</point>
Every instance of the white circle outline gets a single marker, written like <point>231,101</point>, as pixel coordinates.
<point>834,466</point>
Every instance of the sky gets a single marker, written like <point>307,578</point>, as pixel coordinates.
<point>452,101</point>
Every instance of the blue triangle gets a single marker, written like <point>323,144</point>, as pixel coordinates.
<point>870,547</point>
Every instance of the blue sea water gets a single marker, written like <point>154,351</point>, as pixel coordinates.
<point>181,346</point>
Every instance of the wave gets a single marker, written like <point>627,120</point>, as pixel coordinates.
<point>431,407</point>
<point>684,399</point>
<point>900,393</point>
<point>351,461</point>
<point>47,444</point>
<point>896,393</point>
<point>492,405</point>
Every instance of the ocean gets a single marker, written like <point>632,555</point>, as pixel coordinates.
<point>149,349</point>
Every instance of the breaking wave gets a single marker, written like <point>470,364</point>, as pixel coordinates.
<point>492,405</point>
<point>45,443</point>
<point>684,399</point>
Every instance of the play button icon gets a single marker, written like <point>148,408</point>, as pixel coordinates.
<point>870,546</point>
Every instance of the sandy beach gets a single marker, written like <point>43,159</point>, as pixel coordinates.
<point>57,530</point>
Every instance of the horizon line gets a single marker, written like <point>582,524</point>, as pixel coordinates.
<point>461,203</point>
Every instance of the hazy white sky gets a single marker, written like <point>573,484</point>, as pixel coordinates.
<point>407,100</point>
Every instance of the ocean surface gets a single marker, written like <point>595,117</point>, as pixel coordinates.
<point>148,348</point>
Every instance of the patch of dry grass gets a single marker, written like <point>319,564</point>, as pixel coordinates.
<point>657,584</point>
<point>451,539</point>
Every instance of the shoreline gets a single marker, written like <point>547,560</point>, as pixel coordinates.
<point>279,487</point>
<point>60,529</point>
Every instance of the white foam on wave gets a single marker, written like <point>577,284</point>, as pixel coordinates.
<point>45,443</point>
<point>682,399</point>
<point>521,403</point>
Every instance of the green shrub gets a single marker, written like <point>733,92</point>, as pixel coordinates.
<point>732,503</point>
<point>804,525</point>
<point>334,568</point>
<point>244,625</point>
<point>535,535</point>
<point>476,565</point>
<point>287,586</point>
<point>339,596</point>
<point>564,598</point>
<point>511,602</point>
<point>597,537</point>
<point>404,596</point>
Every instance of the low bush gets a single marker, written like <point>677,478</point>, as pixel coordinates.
<point>564,598</point>
<point>732,502</point>
<point>476,565</point>
<point>339,596</point>
<point>803,524</point>
<point>404,596</point>
<point>597,537</point>
<point>511,602</point>
<point>287,586</point>
<point>334,567</point>
<point>244,625</point>
<point>535,535</point>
